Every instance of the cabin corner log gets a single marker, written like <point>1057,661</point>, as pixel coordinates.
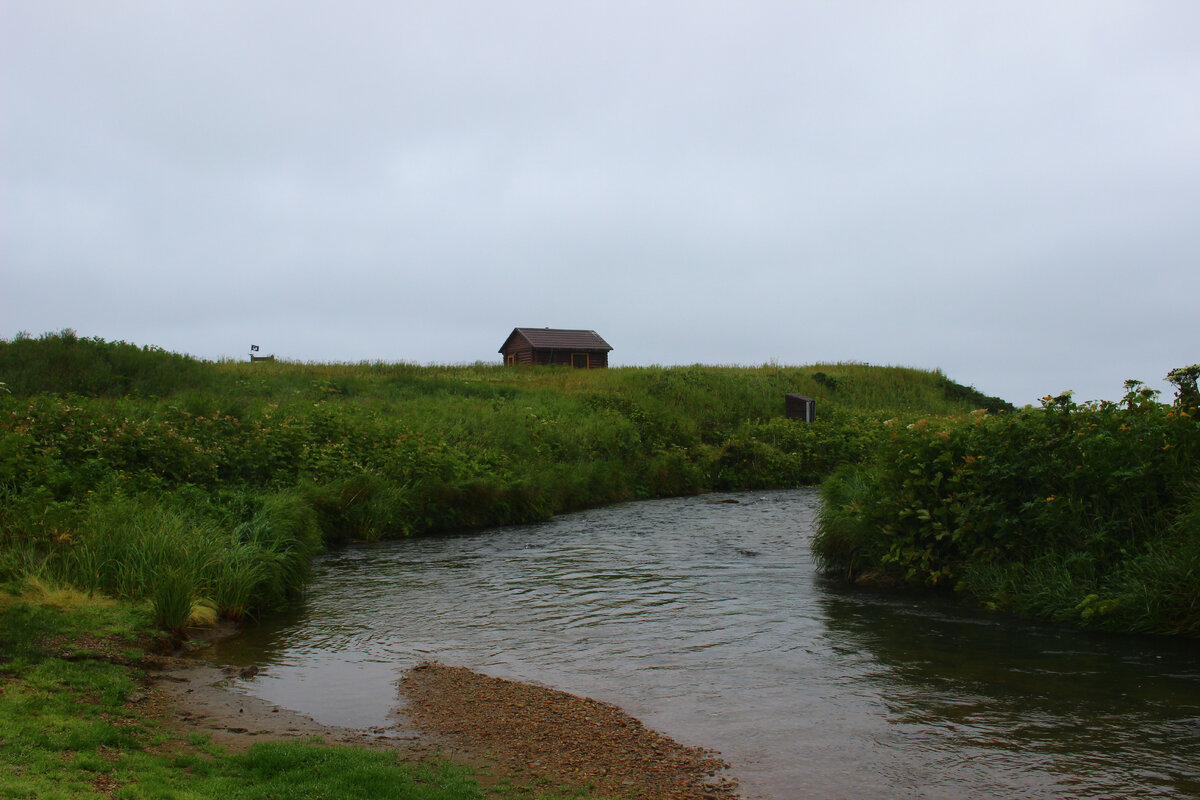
<point>797,406</point>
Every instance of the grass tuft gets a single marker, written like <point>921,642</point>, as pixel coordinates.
<point>173,597</point>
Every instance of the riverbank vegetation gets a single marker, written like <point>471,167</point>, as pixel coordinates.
<point>1087,513</point>
<point>206,488</point>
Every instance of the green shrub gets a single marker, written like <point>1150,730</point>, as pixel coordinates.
<point>64,363</point>
<point>1071,512</point>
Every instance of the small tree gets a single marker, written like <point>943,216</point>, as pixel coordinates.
<point>1184,378</point>
<point>1138,394</point>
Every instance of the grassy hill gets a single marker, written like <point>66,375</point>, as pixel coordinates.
<point>198,484</point>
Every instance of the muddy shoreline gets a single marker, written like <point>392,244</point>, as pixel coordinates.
<point>509,731</point>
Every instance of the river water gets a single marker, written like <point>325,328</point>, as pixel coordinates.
<point>705,618</point>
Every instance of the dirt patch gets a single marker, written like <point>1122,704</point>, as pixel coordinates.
<point>106,784</point>
<point>537,734</point>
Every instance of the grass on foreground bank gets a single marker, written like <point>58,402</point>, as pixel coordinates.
<point>1080,513</point>
<point>74,724</point>
<point>208,487</point>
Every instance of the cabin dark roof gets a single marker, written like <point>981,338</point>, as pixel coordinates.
<point>558,339</point>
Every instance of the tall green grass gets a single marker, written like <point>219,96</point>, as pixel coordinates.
<point>170,551</point>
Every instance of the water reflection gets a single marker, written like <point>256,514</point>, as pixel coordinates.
<point>707,620</point>
<point>987,699</point>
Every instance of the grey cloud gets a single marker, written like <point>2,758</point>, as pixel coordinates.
<point>1005,191</point>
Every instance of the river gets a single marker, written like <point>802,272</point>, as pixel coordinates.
<point>705,618</point>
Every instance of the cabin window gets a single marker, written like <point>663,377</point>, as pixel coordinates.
<point>511,358</point>
<point>579,360</point>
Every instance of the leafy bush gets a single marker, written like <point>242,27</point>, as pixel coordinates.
<point>1063,511</point>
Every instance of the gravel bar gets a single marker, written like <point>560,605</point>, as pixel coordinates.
<point>538,734</point>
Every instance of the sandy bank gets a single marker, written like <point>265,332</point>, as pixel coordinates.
<point>513,731</point>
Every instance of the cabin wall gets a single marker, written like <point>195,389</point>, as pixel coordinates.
<point>519,355</point>
<point>558,358</point>
<point>561,358</point>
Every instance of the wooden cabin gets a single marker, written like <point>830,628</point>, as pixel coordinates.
<point>582,349</point>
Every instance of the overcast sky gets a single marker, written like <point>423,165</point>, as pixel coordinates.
<point>1008,191</point>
